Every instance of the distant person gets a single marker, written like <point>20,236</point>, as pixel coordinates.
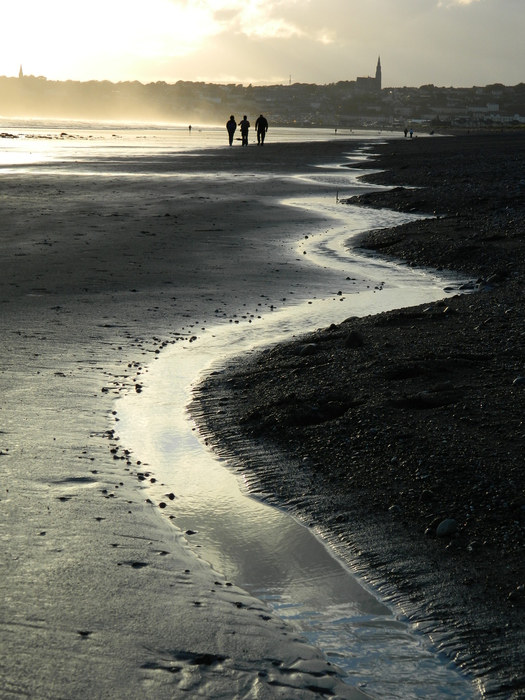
<point>406,132</point>
<point>244,125</point>
<point>411,132</point>
<point>189,128</point>
<point>231,126</point>
<point>262,127</point>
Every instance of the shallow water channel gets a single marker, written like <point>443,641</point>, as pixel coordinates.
<point>261,548</point>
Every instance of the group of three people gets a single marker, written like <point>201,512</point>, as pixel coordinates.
<point>261,126</point>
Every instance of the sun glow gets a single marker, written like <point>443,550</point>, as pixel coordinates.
<point>61,40</point>
<point>456,42</point>
<point>54,37</point>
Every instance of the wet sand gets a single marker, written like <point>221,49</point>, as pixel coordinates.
<point>383,428</point>
<point>103,266</point>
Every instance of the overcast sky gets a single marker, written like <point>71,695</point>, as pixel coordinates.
<point>444,42</point>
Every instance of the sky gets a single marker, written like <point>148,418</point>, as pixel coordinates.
<point>457,43</point>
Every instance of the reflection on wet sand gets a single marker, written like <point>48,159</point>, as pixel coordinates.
<point>262,549</point>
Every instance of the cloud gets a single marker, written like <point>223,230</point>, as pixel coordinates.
<point>254,18</point>
<point>325,36</point>
<point>272,28</point>
<point>270,19</point>
<point>453,3</point>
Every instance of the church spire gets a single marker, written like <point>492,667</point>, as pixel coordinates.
<point>378,74</point>
<point>20,72</point>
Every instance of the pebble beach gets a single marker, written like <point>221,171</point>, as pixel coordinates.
<point>400,436</point>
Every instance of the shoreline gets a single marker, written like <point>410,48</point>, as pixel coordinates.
<point>100,273</point>
<point>439,378</point>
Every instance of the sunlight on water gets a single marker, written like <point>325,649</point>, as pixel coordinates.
<point>260,548</point>
<point>25,142</point>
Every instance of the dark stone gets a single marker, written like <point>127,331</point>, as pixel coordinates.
<point>354,340</point>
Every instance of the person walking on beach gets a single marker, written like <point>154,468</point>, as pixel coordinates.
<point>244,125</point>
<point>406,132</point>
<point>261,126</point>
<point>231,126</point>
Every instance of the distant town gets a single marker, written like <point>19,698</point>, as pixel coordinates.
<point>359,103</point>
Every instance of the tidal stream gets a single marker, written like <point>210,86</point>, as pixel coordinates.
<point>261,548</point>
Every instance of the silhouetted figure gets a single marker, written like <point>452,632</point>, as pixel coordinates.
<point>244,125</point>
<point>262,127</point>
<point>411,132</point>
<point>231,126</point>
<point>406,132</point>
<point>189,128</point>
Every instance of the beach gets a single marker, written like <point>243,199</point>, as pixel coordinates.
<point>399,436</point>
<point>106,263</point>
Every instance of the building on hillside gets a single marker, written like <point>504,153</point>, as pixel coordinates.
<point>369,84</point>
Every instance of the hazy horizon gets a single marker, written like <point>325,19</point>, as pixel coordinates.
<point>263,84</point>
<point>452,43</point>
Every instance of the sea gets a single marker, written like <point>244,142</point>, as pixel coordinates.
<point>32,141</point>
